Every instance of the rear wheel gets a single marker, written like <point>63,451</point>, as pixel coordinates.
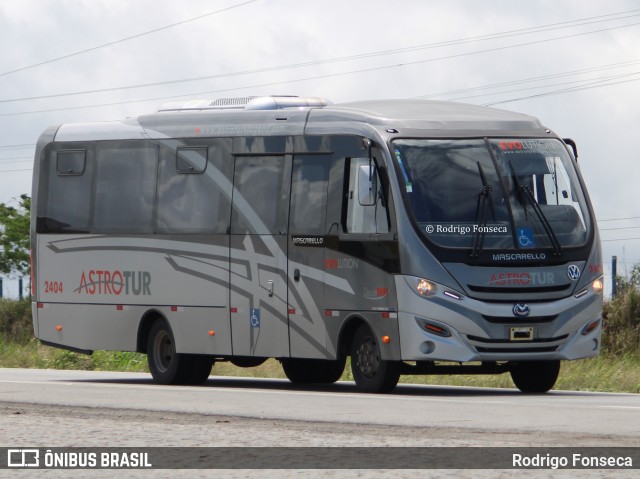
<point>200,370</point>
<point>371,373</point>
<point>535,376</point>
<point>169,367</point>
<point>306,371</point>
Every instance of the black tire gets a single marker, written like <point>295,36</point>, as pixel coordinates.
<point>167,366</point>
<point>535,376</point>
<point>310,371</point>
<point>200,370</point>
<point>371,373</point>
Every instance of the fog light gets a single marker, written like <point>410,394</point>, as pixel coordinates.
<point>427,347</point>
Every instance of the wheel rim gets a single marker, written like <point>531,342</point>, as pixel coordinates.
<point>368,357</point>
<point>163,351</point>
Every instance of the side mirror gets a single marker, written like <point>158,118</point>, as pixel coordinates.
<point>573,146</point>
<point>367,185</point>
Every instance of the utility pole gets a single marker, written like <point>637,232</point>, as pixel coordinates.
<point>614,274</point>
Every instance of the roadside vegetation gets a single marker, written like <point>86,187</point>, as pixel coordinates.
<point>617,369</point>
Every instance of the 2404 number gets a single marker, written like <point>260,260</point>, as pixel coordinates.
<point>53,287</point>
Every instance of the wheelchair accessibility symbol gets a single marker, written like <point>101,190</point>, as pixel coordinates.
<point>255,318</point>
<point>525,238</point>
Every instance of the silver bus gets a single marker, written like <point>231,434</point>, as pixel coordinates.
<point>413,237</point>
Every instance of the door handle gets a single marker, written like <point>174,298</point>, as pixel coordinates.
<point>296,275</point>
<point>270,287</point>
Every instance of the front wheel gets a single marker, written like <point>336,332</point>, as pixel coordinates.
<point>169,367</point>
<point>535,376</point>
<point>371,373</point>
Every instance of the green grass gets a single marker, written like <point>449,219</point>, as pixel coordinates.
<point>35,355</point>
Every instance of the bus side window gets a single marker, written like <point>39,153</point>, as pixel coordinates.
<point>193,190</point>
<point>365,218</point>
<point>125,187</point>
<point>309,195</point>
<point>257,205</point>
<point>67,188</point>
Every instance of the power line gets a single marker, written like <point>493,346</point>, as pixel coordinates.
<point>137,35</point>
<point>510,33</point>
<point>532,79</point>
<point>9,171</point>
<point>561,91</point>
<point>364,70</point>
<point>620,228</point>
<point>190,95</point>
<point>16,147</point>
<point>620,219</point>
<point>20,159</point>
<point>592,81</point>
<point>620,239</point>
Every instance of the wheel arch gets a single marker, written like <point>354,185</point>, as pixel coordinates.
<point>144,328</point>
<point>348,331</point>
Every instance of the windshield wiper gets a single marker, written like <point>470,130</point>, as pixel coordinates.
<point>485,198</point>
<point>528,195</point>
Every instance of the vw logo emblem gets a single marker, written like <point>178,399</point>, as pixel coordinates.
<point>573,272</point>
<point>521,310</point>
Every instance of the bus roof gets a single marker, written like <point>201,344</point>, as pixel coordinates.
<point>264,116</point>
<point>428,115</point>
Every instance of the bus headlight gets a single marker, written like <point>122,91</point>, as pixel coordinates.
<point>597,286</point>
<point>425,288</point>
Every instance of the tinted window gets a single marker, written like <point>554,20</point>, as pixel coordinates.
<point>65,194</point>
<point>125,187</point>
<point>260,145</point>
<point>309,195</point>
<point>189,202</point>
<point>71,162</point>
<point>191,160</point>
<point>258,196</point>
<point>367,216</point>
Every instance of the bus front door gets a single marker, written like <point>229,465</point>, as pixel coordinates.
<point>258,259</point>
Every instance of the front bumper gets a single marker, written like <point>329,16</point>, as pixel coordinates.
<point>484,331</point>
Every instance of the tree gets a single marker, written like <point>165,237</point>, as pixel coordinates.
<point>14,237</point>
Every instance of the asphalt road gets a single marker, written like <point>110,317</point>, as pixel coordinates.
<point>50,408</point>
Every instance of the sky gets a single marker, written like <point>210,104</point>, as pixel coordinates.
<point>573,64</point>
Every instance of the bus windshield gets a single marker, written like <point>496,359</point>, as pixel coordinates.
<point>494,194</point>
